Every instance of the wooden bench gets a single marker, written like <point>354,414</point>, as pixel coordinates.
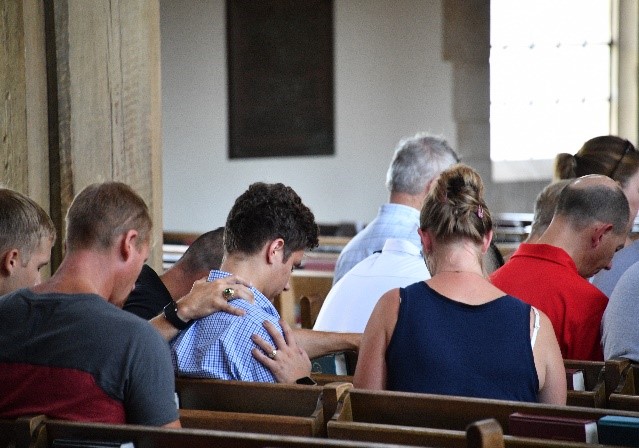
<point>326,378</point>
<point>248,406</point>
<point>18,432</point>
<point>153,437</point>
<point>412,418</point>
<point>626,395</point>
<point>310,306</point>
<point>594,378</point>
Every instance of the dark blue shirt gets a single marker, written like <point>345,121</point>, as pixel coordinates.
<point>442,346</point>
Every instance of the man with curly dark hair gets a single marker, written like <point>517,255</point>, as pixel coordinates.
<point>266,233</point>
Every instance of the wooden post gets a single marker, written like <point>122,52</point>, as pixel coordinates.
<point>103,59</point>
<point>13,122</point>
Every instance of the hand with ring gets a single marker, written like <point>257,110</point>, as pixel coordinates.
<point>287,361</point>
<point>206,298</point>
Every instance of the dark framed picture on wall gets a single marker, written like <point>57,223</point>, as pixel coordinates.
<point>280,78</point>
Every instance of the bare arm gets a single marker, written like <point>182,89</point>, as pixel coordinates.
<point>290,362</point>
<point>205,298</point>
<point>173,424</point>
<point>549,364</point>
<point>320,343</point>
<point>371,370</point>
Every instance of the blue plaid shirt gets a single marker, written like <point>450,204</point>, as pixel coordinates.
<point>392,221</point>
<point>219,345</point>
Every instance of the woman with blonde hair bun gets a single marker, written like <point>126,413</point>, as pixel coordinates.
<point>456,333</point>
<point>618,159</point>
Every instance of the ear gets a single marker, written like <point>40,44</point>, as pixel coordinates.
<point>427,241</point>
<point>486,242</point>
<point>127,244</point>
<point>9,261</point>
<point>598,233</point>
<point>275,250</point>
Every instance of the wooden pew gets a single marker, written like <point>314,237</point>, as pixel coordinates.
<point>18,432</point>
<point>411,418</point>
<point>309,426</point>
<point>325,378</point>
<point>594,378</point>
<point>626,395</point>
<point>300,410</point>
<point>310,306</point>
<point>154,437</point>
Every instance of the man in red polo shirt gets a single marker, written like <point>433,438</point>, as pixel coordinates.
<point>590,224</point>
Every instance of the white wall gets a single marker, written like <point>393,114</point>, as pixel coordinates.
<point>390,82</point>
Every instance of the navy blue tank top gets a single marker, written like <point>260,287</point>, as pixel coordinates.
<point>441,346</point>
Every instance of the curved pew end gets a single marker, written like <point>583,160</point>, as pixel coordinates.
<point>485,434</point>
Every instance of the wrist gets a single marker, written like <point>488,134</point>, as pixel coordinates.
<point>183,311</point>
<point>170,312</point>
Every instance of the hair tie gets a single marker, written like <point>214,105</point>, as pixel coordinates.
<point>480,212</point>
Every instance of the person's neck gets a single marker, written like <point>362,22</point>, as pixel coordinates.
<point>456,259</point>
<point>564,237</point>
<point>410,200</point>
<point>81,272</point>
<point>250,268</point>
<point>459,272</point>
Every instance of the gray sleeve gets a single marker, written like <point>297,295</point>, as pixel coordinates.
<point>620,333</point>
<point>149,396</point>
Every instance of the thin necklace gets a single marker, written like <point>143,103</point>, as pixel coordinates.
<point>461,272</point>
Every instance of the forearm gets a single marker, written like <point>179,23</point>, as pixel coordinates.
<point>166,330</point>
<point>320,343</point>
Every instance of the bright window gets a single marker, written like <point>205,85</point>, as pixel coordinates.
<point>550,82</point>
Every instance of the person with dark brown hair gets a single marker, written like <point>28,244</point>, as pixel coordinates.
<point>265,236</point>
<point>456,333</point>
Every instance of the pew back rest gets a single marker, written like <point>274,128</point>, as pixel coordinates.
<point>594,378</point>
<point>153,437</point>
<point>309,426</point>
<point>19,432</point>
<point>250,397</point>
<point>447,412</point>
<point>325,378</point>
<point>625,394</point>
<point>593,371</point>
<point>310,306</point>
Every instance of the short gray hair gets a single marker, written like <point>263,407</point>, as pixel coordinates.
<point>417,161</point>
<point>585,205</point>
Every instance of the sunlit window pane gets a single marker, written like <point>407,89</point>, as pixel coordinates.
<point>549,76</point>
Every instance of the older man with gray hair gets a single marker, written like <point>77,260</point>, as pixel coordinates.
<point>416,162</point>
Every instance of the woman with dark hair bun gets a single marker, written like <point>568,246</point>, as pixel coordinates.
<point>456,333</point>
<point>618,159</point>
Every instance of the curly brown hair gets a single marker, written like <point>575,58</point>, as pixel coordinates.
<point>266,212</point>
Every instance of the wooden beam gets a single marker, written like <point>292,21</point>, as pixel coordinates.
<point>104,101</point>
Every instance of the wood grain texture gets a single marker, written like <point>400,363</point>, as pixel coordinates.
<point>13,126</point>
<point>107,105</point>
